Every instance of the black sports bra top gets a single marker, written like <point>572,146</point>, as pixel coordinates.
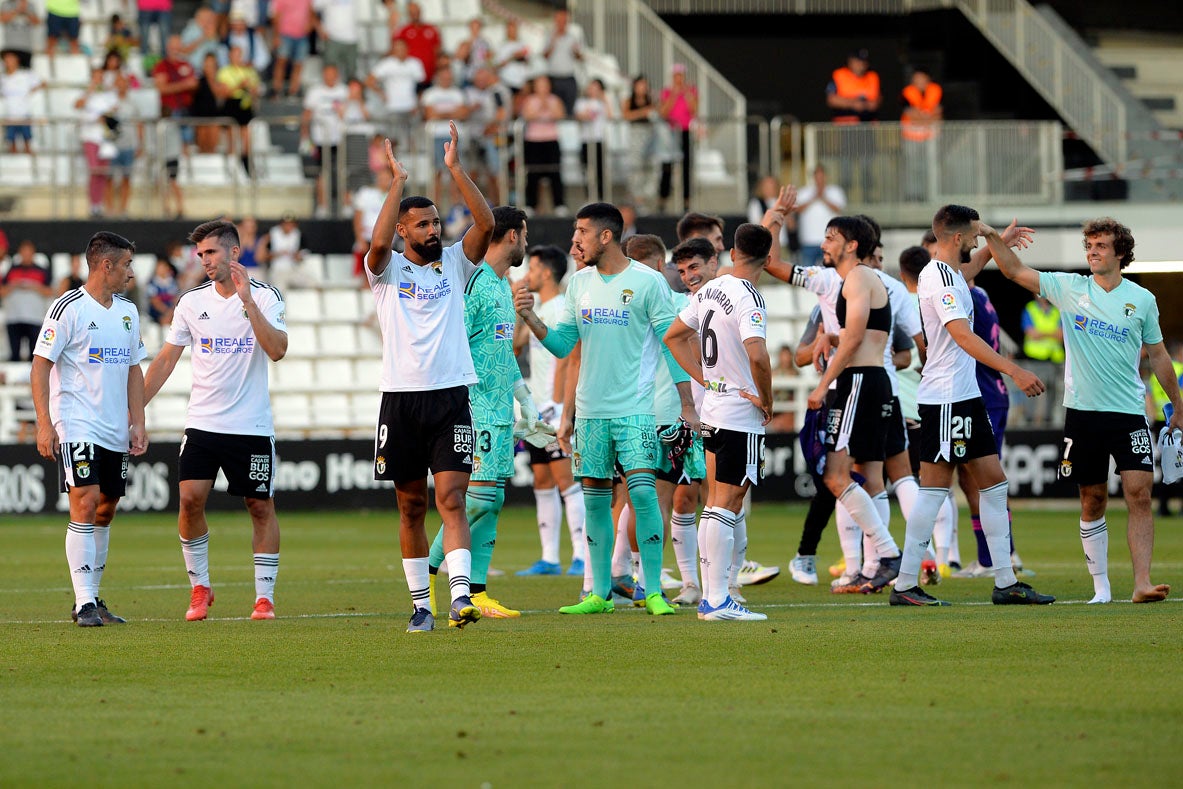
<point>878,320</point>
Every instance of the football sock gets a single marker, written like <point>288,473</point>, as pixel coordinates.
<point>997,530</point>
<point>418,582</point>
<point>483,506</point>
<point>905,490</point>
<point>80,556</point>
<point>196,553</point>
<point>703,547</point>
<point>870,553</point>
<point>862,508</point>
<point>102,540</point>
<point>821,507</point>
<point>954,556</point>
<point>980,538</point>
<point>621,549</point>
<point>598,505</point>
<point>1094,537</point>
<point>1010,522</point>
<point>739,549</point>
<point>942,535</point>
<point>459,571</point>
<point>918,533</point>
<point>850,537</point>
<point>550,518</point>
<point>573,505</point>
<point>720,547</point>
<point>642,492</point>
<point>266,570</point>
<point>684,536</point>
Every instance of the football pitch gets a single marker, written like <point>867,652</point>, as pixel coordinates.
<point>831,690</point>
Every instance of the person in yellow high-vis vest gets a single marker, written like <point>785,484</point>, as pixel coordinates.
<point>1043,338</point>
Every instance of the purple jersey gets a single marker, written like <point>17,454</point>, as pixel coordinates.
<point>990,381</point>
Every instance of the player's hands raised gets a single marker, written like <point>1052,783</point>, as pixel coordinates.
<point>1029,382</point>
<point>396,167</point>
<point>452,147</point>
<point>982,229</point>
<point>786,201</point>
<point>139,439</point>
<point>241,279</point>
<point>47,441</point>
<point>1018,237</point>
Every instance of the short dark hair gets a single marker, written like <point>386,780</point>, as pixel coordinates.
<point>1123,238</point>
<point>505,219</point>
<point>752,241</point>
<point>414,201</point>
<point>953,218</point>
<point>105,245</point>
<point>694,222</point>
<point>644,245</point>
<point>225,232</point>
<point>552,257</point>
<point>878,231</point>
<point>853,228</point>
<point>693,248</point>
<point>913,260</point>
<point>929,237</point>
<point>605,216</point>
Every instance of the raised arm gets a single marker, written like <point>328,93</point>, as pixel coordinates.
<point>272,340</point>
<point>476,239</point>
<point>382,238</point>
<point>774,220</point>
<point>998,246</point>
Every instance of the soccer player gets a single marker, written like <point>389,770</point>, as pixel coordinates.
<point>88,390</point>
<point>228,426</point>
<point>619,309</point>
<point>424,422</point>
<point>489,322</point>
<point>1107,320</point>
<point>730,319</point>
<point>555,488</point>
<point>954,426</point>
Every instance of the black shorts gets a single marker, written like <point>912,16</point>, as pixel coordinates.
<point>423,431</point>
<point>860,414</point>
<point>955,432</point>
<point>172,167</point>
<point>540,456</point>
<point>1092,437</point>
<point>913,428</point>
<point>82,463</point>
<point>248,461</point>
<point>897,431</point>
<point>739,457</point>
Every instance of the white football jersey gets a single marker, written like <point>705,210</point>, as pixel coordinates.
<point>950,374</point>
<point>826,284</point>
<point>92,348</point>
<point>421,313</point>
<point>542,361</point>
<point>725,312</point>
<point>230,392</point>
<point>904,317</point>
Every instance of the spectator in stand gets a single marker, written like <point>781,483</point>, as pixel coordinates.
<point>336,24</point>
<point>17,86</point>
<point>628,212</point>
<point>158,14</point>
<point>176,81</point>
<point>248,244</point>
<point>513,59</point>
<point>679,108</point>
<point>115,68</point>
<point>322,133</point>
<point>95,133</point>
<point>25,290</point>
<point>282,252</point>
<point>18,18</point>
<point>423,41</point>
<point>816,205</point>
<point>72,280</point>
<point>207,103</point>
<point>563,50</point>
<point>129,140</point>
<point>253,43</point>
<point>594,112</point>
<point>474,52</point>
<point>163,292</point>
<point>441,103</point>
<point>200,37</point>
<point>367,203</point>
<point>491,105</point>
<point>640,111</point>
<point>918,127</point>
<point>62,20</point>
<point>242,84</point>
<point>396,78</point>
<point>542,111</point>
<point>357,113</point>
<point>291,22</point>
<point>767,190</point>
<point>854,97</point>
<point>121,39</point>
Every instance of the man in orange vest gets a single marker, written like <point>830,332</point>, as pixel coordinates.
<point>853,97</point>
<point>918,127</point>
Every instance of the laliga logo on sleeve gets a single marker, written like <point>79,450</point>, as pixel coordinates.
<point>48,336</point>
<point>948,302</point>
<point>756,319</point>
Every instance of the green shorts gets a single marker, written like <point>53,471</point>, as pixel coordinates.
<point>601,443</point>
<point>492,457</point>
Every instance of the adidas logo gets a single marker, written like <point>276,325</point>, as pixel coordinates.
<point>203,316</point>
<point>190,572</point>
<point>1146,461</point>
<point>83,569</point>
<point>262,488</point>
<point>653,539</point>
<point>407,269</point>
<point>93,326</point>
<point>468,458</point>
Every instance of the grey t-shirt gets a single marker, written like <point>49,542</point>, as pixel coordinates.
<point>18,33</point>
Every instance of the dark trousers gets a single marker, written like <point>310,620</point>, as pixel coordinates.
<point>667,172</point>
<point>542,161</point>
<point>19,333</point>
<point>594,152</point>
<point>566,89</point>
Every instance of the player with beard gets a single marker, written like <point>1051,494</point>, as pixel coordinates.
<point>618,308</point>
<point>424,421</point>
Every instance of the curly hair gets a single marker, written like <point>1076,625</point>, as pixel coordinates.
<point>1123,239</point>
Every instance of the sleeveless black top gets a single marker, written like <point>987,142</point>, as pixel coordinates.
<point>878,320</point>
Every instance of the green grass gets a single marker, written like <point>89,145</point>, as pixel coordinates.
<point>830,689</point>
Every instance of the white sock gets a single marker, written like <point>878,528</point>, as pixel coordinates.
<point>1094,537</point>
<point>459,567</point>
<point>80,552</point>
<point>996,528</point>
<point>720,549</point>
<point>684,536</point>
<point>918,533</point>
<point>703,547</point>
<point>942,534</point>
<point>621,550</point>
<point>739,548</point>
<point>196,553</point>
<point>862,509</point>
<point>906,490</point>
<point>576,516</point>
<point>418,581</point>
<point>102,540</point>
<point>870,555</point>
<point>850,537</point>
<point>549,504</point>
<point>266,570</point>
<point>954,545</point>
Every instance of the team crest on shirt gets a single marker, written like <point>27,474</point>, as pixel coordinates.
<point>626,296</point>
<point>127,323</point>
<point>380,464</point>
<point>438,267</point>
<point>283,317</point>
<point>959,448</point>
<point>1130,309</point>
<point>82,469</point>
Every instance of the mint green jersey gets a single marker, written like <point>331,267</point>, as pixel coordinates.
<point>1103,338</point>
<point>489,319</point>
<point>667,403</point>
<point>621,320</point>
